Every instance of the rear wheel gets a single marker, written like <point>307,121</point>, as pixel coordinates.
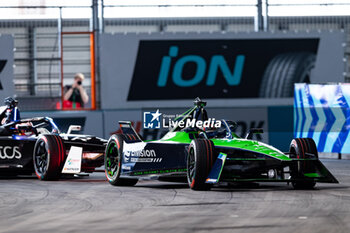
<point>113,161</point>
<point>302,148</point>
<point>48,157</point>
<point>199,163</point>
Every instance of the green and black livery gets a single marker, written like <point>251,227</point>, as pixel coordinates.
<point>208,156</point>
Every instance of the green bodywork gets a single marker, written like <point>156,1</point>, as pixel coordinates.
<point>264,156</point>
<point>237,143</point>
<point>235,159</point>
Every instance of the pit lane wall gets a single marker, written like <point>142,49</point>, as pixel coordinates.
<point>322,112</point>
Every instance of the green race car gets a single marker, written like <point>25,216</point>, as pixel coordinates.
<point>206,151</point>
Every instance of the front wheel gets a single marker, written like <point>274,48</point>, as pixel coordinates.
<point>113,162</point>
<point>48,157</point>
<point>200,160</point>
<point>302,148</point>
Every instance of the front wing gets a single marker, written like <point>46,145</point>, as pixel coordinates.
<point>226,169</point>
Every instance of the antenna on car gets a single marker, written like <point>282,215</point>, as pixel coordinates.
<point>200,111</point>
<point>73,128</point>
<point>198,102</point>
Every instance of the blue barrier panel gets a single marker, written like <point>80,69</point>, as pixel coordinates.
<point>280,120</point>
<point>322,112</point>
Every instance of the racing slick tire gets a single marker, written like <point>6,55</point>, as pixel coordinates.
<point>200,160</point>
<point>48,157</point>
<point>113,160</point>
<point>283,71</point>
<point>302,148</point>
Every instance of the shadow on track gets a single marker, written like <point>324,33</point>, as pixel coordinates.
<point>236,187</point>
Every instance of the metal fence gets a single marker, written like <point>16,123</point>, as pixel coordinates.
<point>37,70</point>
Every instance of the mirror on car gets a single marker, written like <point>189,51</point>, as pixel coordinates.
<point>253,131</point>
<point>73,128</point>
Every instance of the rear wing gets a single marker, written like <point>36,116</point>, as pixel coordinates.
<point>127,128</point>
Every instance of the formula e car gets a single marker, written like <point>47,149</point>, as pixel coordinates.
<point>36,145</point>
<point>209,155</point>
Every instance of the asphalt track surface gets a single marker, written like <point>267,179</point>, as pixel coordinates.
<point>90,204</point>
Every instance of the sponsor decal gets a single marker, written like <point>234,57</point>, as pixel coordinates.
<point>9,152</point>
<point>147,156</point>
<point>73,161</point>
<point>136,152</point>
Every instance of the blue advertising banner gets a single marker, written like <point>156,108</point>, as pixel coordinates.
<point>322,112</point>
<point>165,70</point>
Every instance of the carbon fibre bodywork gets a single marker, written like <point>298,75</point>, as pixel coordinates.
<point>17,147</point>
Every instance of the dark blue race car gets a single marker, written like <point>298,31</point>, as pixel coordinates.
<point>36,145</point>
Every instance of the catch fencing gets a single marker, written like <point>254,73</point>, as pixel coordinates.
<point>45,60</point>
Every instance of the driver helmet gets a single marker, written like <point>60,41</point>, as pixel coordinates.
<point>10,102</point>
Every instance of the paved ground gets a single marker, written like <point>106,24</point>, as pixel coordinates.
<point>90,204</point>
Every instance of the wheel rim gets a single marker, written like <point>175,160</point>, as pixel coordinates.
<point>41,157</point>
<point>112,160</point>
<point>191,168</point>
